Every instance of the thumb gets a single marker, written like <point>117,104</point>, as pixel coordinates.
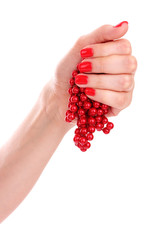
<point>104,33</point>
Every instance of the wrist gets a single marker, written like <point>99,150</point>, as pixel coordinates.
<point>53,107</point>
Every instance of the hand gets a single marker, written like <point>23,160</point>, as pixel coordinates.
<point>111,76</point>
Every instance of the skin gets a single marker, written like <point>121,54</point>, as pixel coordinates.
<point>24,156</point>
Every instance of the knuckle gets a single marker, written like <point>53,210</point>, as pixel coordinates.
<point>126,82</point>
<point>121,101</point>
<point>131,64</point>
<point>125,46</point>
<point>80,42</point>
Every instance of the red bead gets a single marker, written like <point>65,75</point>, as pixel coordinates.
<point>76,138</point>
<point>98,119</point>
<point>83,131</point>
<point>104,120</point>
<point>87,145</point>
<point>73,107</point>
<point>68,112</point>
<point>67,119</point>
<point>110,125</point>
<point>92,112</point>
<point>71,116</point>
<point>83,125</point>
<point>77,131</point>
<point>83,97</point>
<point>70,90</point>
<point>106,111</point>
<point>91,121</point>
<point>75,90</point>
<point>83,120</point>
<point>74,99</point>
<point>105,130</point>
<point>83,140</point>
<point>104,106</point>
<point>87,105</point>
<point>81,89</point>
<point>71,81</point>
<point>96,104</point>
<point>81,112</point>
<point>90,136</point>
<point>99,126</point>
<point>83,149</point>
<point>74,73</point>
<point>91,129</point>
<point>80,104</point>
<point>100,112</point>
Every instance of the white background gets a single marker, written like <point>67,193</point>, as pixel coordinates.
<point>113,191</point>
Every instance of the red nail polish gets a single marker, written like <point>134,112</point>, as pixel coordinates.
<point>81,79</point>
<point>86,52</point>
<point>90,91</point>
<point>85,66</point>
<point>120,24</point>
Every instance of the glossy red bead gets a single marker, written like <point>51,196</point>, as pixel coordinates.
<point>76,138</point>
<point>74,73</point>
<point>80,103</point>
<point>82,140</point>
<point>71,81</point>
<point>83,131</point>
<point>92,111</point>
<point>75,90</point>
<point>90,136</point>
<point>83,149</point>
<point>87,105</point>
<point>73,108</point>
<point>106,111</point>
<point>110,125</point>
<point>81,89</point>
<point>99,126</point>
<point>104,106</point>
<point>100,112</point>
<point>71,116</point>
<point>98,119</point>
<point>96,104</point>
<point>83,120</point>
<point>68,112</point>
<point>70,90</point>
<point>77,131</point>
<point>81,112</point>
<point>87,145</point>
<point>83,97</point>
<point>91,129</point>
<point>106,130</point>
<point>74,99</point>
<point>91,121</point>
<point>104,120</point>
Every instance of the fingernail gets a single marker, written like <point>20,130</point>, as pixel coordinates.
<point>85,66</point>
<point>86,52</point>
<point>90,91</point>
<point>120,24</point>
<point>81,79</point>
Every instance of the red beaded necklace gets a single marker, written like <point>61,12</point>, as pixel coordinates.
<point>90,115</point>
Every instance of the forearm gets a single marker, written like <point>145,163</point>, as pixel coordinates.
<point>24,156</point>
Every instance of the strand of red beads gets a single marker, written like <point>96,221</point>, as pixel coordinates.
<point>90,115</point>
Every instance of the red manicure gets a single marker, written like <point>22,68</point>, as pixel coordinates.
<point>90,91</point>
<point>120,24</point>
<point>86,52</point>
<point>81,79</point>
<point>85,66</point>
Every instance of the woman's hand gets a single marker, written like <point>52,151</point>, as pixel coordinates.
<point>110,79</point>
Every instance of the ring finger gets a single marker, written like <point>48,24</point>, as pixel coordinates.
<point>113,64</point>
